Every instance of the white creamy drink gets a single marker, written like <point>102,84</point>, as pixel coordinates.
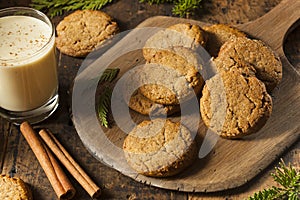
<point>28,77</point>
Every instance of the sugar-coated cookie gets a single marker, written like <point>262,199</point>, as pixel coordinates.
<point>145,106</point>
<point>234,105</point>
<point>218,34</point>
<point>178,35</point>
<point>177,79</point>
<point>265,64</point>
<point>159,148</point>
<point>83,31</point>
<point>12,188</point>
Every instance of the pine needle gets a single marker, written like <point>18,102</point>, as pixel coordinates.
<point>289,189</point>
<point>104,105</point>
<point>58,7</point>
<point>109,74</point>
<point>183,8</point>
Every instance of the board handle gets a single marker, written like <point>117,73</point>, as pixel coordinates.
<point>274,25</point>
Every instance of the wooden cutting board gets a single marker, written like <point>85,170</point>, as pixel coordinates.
<point>231,163</point>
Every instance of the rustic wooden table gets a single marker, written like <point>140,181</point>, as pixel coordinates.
<point>17,159</point>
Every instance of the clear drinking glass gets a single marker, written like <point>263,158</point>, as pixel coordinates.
<point>28,68</point>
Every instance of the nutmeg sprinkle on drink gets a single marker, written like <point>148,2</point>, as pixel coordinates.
<point>24,36</point>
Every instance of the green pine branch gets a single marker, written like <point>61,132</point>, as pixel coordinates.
<point>289,180</point>
<point>109,74</point>
<point>58,7</point>
<point>183,8</point>
<point>104,105</point>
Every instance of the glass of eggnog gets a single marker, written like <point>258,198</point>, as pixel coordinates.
<point>28,69</point>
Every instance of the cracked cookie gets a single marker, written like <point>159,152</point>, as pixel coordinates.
<point>218,34</point>
<point>145,106</point>
<point>264,63</point>
<point>82,31</point>
<point>159,148</point>
<point>12,188</point>
<point>179,35</point>
<point>176,80</point>
<point>234,105</point>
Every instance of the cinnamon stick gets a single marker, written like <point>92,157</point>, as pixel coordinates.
<point>59,181</point>
<point>71,165</point>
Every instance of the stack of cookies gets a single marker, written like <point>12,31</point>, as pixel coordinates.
<point>236,101</point>
<point>170,78</point>
<point>172,70</point>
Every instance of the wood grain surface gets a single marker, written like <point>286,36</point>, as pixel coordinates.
<point>17,159</point>
<point>231,163</point>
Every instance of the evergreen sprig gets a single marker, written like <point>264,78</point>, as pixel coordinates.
<point>289,180</point>
<point>183,8</point>
<point>109,74</point>
<point>104,105</point>
<point>58,7</point>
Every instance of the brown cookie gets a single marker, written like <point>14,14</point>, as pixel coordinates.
<point>14,189</point>
<point>218,34</point>
<point>192,31</point>
<point>234,105</point>
<point>145,106</point>
<point>264,63</point>
<point>176,80</point>
<point>159,148</point>
<point>179,35</point>
<point>82,31</point>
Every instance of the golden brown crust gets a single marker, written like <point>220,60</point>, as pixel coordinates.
<point>191,30</point>
<point>234,105</point>
<point>145,106</point>
<point>82,31</point>
<point>174,49</point>
<point>12,188</point>
<point>159,148</point>
<point>218,34</point>
<point>181,69</point>
<point>264,62</point>
<point>179,35</point>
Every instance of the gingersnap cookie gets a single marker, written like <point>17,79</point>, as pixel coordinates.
<point>159,148</point>
<point>265,64</point>
<point>145,106</point>
<point>83,31</point>
<point>234,105</point>
<point>179,35</point>
<point>218,34</point>
<point>12,188</point>
<point>176,79</point>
